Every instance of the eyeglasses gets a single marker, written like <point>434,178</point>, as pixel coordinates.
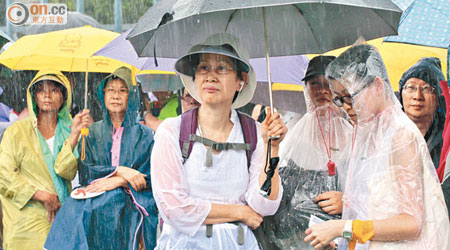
<point>348,99</point>
<point>411,89</point>
<point>121,91</point>
<point>221,69</point>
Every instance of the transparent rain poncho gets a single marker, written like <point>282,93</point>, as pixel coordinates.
<point>304,172</point>
<point>390,170</point>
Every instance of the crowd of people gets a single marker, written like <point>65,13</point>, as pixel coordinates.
<point>357,171</point>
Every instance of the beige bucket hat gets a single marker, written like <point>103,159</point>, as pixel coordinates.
<point>185,66</point>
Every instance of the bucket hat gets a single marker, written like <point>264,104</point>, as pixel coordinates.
<point>222,44</point>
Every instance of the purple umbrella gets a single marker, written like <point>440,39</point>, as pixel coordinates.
<point>122,50</point>
<point>284,69</point>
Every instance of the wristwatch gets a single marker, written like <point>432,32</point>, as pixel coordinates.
<point>347,232</point>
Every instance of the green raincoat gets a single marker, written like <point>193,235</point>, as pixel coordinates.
<point>27,165</point>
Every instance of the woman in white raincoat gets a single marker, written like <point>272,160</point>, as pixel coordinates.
<point>392,197</point>
<point>318,140</point>
<point>219,188</point>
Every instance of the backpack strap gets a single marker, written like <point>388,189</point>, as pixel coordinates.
<point>250,135</point>
<point>188,126</point>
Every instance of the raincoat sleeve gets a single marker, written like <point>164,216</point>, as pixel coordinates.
<point>170,188</point>
<point>255,200</point>
<point>88,168</point>
<point>407,167</point>
<point>66,164</point>
<point>12,185</point>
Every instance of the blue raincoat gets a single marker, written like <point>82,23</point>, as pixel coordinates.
<point>111,220</point>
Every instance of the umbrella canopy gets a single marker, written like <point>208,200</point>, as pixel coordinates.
<point>152,77</point>
<point>294,27</point>
<point>425,22</point>
<point>398,57</point>
<point>64,50</point>
<point>287,97</point>
<point>4,38</point>
<point>287,75</point>
<point>122,50</point>
<point>74,20</point>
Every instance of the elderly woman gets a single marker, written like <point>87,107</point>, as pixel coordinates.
<point>311,184</point>
<point>117,163</point>
<point>35,154</point>
<point>210,197</point>
<point>392,197</point>
<point>422,100</point>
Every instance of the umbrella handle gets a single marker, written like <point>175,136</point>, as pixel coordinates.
<point>84,133</point>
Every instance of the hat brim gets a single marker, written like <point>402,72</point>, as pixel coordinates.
<point>187,64</point>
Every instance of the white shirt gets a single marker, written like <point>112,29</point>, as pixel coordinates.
<point>50,142</point>
<point>184,193</point>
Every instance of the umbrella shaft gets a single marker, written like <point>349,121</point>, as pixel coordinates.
<point>269,80</point>
<point>86,90</point>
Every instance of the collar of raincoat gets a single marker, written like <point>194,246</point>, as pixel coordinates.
<point>133,97</point>
<point>1,90</point>
<point>55,76</point>
<point>429,70</point>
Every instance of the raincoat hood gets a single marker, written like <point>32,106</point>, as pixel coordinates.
<point>58,77</point>
<point>429,70</point>
<point>356,69</point>
<point>133,97</point>
<point>185,66</point>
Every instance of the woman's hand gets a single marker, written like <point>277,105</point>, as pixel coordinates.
<point>330,202</point>
<point>132,176</point>
<point>50,201</point>
<point>107,184</point>
<point>321,235</point>
<point>249,217</point>
<point>273,126</point>
<point>81,120</point>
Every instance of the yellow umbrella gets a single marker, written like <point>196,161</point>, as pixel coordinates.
<point>65,50</point>
<point>398,57</point>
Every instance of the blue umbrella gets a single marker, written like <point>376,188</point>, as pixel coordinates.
<point>425,22</point>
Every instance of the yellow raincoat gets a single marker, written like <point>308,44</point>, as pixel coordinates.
<point>24,169</point>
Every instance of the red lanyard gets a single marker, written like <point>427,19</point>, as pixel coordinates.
<point>331,165</point>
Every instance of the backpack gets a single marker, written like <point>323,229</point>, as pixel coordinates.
<point>189,123</point>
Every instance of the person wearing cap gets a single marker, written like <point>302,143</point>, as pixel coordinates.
<point>213,200</point>
<point>36,154</point>
<point>422,100</point>
<point>392,197</point>
<point>311,185</point>
<point>121,214</point>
